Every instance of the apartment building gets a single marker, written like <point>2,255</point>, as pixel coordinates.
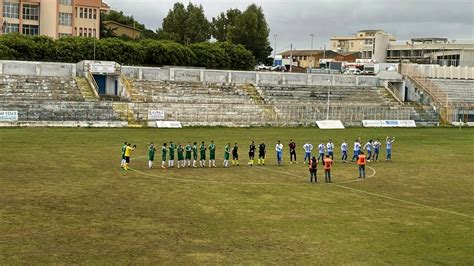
<point>53,18</point>
<point>362,41</point>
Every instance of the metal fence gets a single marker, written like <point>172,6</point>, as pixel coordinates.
<point>270,115</point>
<point>213,114</point>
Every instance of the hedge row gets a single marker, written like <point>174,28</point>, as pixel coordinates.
<point>145,52</point>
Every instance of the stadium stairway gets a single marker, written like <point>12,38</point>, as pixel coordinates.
<point>125,113</point>
<point>258,99</point>
<point>87,91</point>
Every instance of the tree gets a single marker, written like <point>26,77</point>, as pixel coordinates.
<point>251,30</point>
<point>223,23</point>
<point>186,25</point>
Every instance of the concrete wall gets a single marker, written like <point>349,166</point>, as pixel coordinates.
<point>196,75</point>
<point>25,68</point>
<point>241,77</point>
<point>445,72</point>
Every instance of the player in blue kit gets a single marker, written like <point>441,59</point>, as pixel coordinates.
<point>321,149</point>
<point>308,147</point>
<point>389,142</point>
<point>369,146</point>
<point>344,148</point>
<point>330,149</point>
<point>377,146</point>
<point>356,150</point>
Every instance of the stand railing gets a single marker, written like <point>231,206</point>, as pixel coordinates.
<point>394,92</point>
<point>439,98</point>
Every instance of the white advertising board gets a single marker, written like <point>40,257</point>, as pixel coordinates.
<point>406,123</point>
<point>457,124</point>
<point>388,123</point>
<point>156,114</point>
<point>330,124</point>
<point>8,116</point>
<point>168,124</point>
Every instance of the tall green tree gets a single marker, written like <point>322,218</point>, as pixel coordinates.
<point>251,30</point>
<point>222,24</point>
<point>186,25</point>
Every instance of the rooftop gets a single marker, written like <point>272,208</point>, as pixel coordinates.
<point>304,52</point>
<point>371,31</point>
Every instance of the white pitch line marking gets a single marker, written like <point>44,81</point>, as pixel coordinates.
<point>382,196</point>
<point>291,184</point>
<point>404,201</point>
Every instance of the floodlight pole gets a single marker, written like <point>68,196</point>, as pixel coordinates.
<point>274,47</point>
<point>329,91</point>
<point>291,58</point>
<point>312,58</point>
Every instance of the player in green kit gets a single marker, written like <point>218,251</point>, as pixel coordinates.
<point>180,156</point>
<point>202,150</point>
<point>124,147</point>
<point>235,155</point>
<point>188,150</point>
<point>172,148</point>
<point>195,155</point>
<point>212,154</point>
<point>164,150</point>
<point>226,155</point>
<point>151,155</point>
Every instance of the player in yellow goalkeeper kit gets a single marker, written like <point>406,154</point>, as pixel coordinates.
<point>128,153</point>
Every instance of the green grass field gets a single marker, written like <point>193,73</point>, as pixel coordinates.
<point>64,199</point>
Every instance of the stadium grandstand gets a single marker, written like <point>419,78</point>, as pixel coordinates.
<point>107,94</point>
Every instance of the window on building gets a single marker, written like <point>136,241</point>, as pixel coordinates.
<point>81,12</point>
<point>95,13</point>
<point>65,19</point>
<point>90,33</point>
<point>62,35</point>
<point>352,44</point>
<point>30,12</point>
<point>65,2</point>
<point>90,13</point>
<point>80,32</point>
<point>30,30</point>
<point>11,10</point>
<point>94,33</point>
<point>11,28</point>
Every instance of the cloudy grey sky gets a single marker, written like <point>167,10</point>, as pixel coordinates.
<point>294,20</point>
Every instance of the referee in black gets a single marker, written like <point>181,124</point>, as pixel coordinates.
<point>261,153</point>
<point>252,153</point>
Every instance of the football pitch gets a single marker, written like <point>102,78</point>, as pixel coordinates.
<point>64,199</point>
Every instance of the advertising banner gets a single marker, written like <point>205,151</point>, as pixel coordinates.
<point>330,124</point>
<point>388,123</point>
<point>8,116</point>
<point>156,114</point>
<point>168,124</point>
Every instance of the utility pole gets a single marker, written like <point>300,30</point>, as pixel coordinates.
<point>291,57</point>
<point>312,58</point>
<point>329,92</point>
<point>275,46</point>
<point>94,48</point>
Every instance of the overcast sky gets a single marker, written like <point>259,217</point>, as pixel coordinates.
<point>294,20</point>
